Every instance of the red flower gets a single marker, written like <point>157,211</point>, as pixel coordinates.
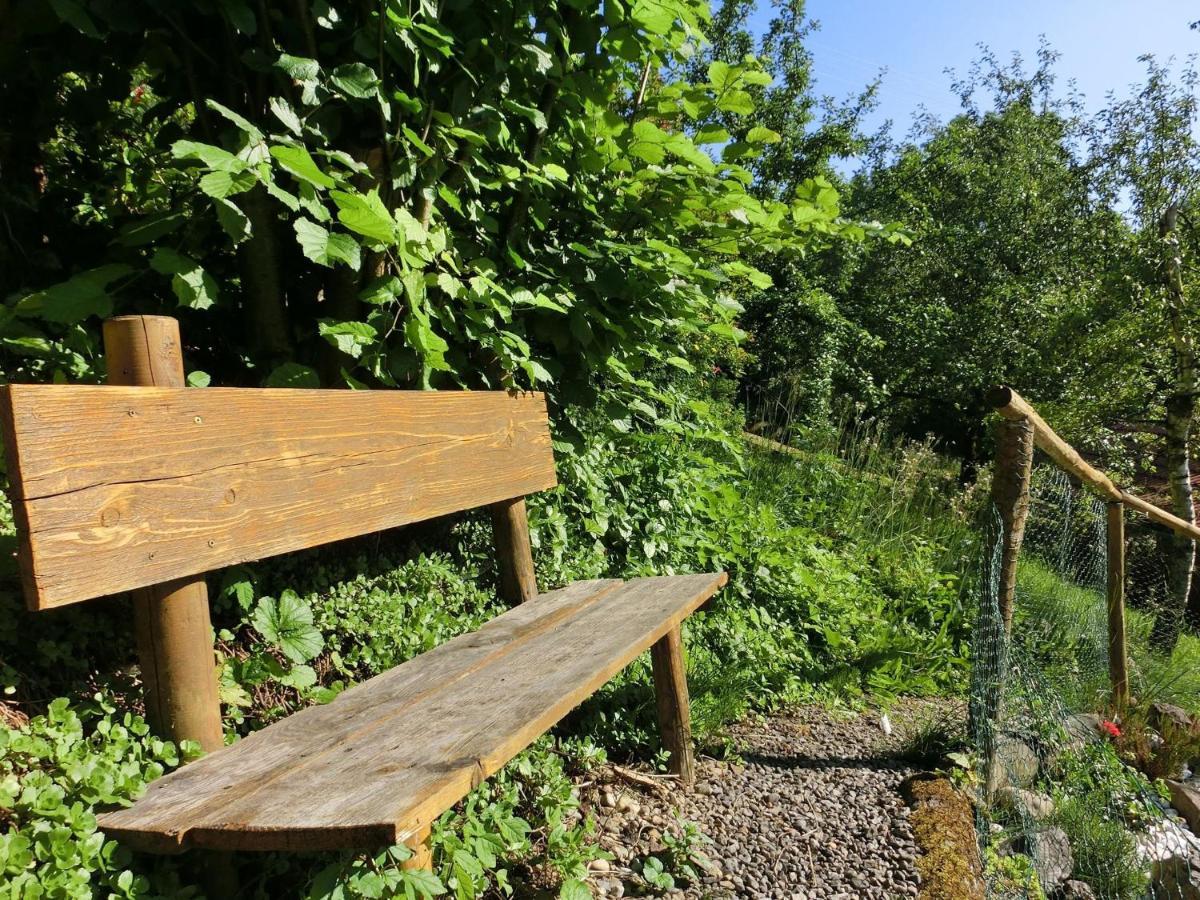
<point>1110,728</point>
<point>139,94</point>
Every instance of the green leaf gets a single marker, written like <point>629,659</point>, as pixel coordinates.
<point>760,135</point>
<point>76,16</point>
<point>424,882</point>
<point>198,379</point>
<point>151,228</point>
<point>193,286</point>
<point>349,337</point>
<point>299,67</point>
<point>365,214</point>
<point>738,102</point>
<point>235,222</point>
<point>423,337</point>
<point>297,162</point>
<point>712,134</point>
<point>647,143</point>
<point>215,158</point>
<point>355,80</point>
<point>222,183</point>
<point>324,247</point>
<point>74,300</point>
<point>574,889</point>
<point>293,375</point>
<point>288,624</point>
<point>249,128</point>
<point>282,110</point>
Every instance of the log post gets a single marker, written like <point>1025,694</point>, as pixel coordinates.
<point>174,631</point>
<point>514,553</point>
<point>674,708</point>
<point>1118,657</point>
<point>1010,493</point>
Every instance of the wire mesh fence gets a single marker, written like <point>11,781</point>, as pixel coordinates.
<point>1075,788</point>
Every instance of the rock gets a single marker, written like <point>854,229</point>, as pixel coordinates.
<point>599,865</point>
<point>1174,856</point>
<point>608,800</point>
<point>1052,858</point>
<point>1016,765</point>
<point>1037,806</point>
<point>1076,890</point>
<point>1186,799</point>
<point>1081,728</point>
<point>628,805</point>
<point>1166,715</point>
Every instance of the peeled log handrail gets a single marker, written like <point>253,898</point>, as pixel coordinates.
<point>1011,405</point>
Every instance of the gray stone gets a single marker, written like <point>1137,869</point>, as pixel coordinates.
<point>1052,858</point>
<point>1186,799</point>
<point>1037,806</point>
<point>1076,890</point>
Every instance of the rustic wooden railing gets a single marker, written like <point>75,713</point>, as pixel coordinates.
<point>1020,431</point>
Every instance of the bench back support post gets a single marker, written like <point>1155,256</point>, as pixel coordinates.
<point>174,630</point>
<point>674,708</point>
<point>514,553</point>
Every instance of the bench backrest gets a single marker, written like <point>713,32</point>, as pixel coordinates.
<point>116,488</point>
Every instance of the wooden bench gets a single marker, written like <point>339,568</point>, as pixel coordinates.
<point>148,487</point>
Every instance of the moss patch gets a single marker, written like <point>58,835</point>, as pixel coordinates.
<point>943,822</point>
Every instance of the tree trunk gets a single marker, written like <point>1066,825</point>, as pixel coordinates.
<point>1180,408</point>
<point>266,310</point>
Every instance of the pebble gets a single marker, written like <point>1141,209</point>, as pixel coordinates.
<point>813,814</point>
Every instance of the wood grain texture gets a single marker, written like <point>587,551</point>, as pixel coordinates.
<point>674,707</point>
<point>514,552</point>
<point>384,759</point>
<point>171,620</point>
<point>120,488</point>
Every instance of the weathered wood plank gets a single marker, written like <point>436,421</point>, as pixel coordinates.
<point>270,753</point>
<point>379,764</point>
<point>120,488</point>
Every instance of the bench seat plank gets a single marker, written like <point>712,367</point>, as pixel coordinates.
<point>116,488</point>
<point>384,759</point>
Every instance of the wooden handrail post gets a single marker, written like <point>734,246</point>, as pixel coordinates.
<point>174,631</point>
<point>514,552</point>
<point>1118,655</point>
<point>1010,493</point>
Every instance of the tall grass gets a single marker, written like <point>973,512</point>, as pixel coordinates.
<point>1063,625</point>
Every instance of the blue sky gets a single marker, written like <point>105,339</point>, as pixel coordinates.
<point>916,40</point>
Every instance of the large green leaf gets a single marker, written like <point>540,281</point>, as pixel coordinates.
<point>355,80</point>
<point>349,337</point>
<point>325,247</point>
<point>365,214</point>
<point>288,624</point>
<point>193,286</point>
<point>297,162</point>
<point>74,300</point>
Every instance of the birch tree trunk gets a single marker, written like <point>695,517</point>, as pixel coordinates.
<point>1180,409</point>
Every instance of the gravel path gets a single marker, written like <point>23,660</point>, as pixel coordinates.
<point>811,812</point>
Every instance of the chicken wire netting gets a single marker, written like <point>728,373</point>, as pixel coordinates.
<point>1074,792</point>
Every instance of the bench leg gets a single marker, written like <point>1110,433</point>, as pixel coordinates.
<point>422,857</point>
<point>674,710</point>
